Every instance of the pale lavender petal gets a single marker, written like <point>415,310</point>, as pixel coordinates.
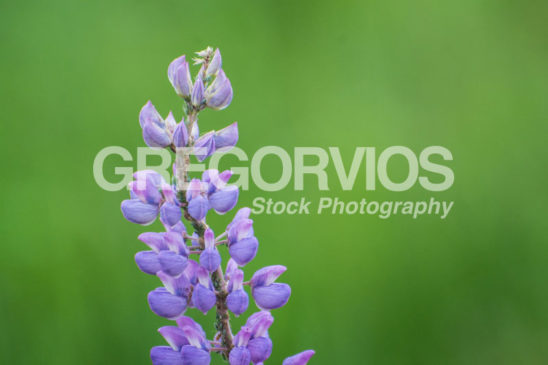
<point>172,263</point>
<point>260,349</point>
<point>174,336</point>
<point>209,238</point>
<point>239,356</point>
<point>149,114</point>
<point>169,193</point>
<point>193,331</point>
<point>197,92</point>
<point>173,66</point>
<point>180,136</point>
<point>136,211</point>
<point>244,250</point>
<point>242,337</point>
<point>165,304</point>
<point>237,301</point>
<point>299,359</point>
<point>170,123</point>
<point>195,356</point>
<point>148,262</point>
<point>156,136</point>
<point>195,188</point>
<point>203,298</point>
<point>231,266</point>
<point>259,323</point>
<point>240,229</point>
<point>179,286</point>
<point>227,137</point>
<point>175,242</point>
<point>219,94</point>
<point>198,207</point>
<point>165,355</point>
<point>204,146</point>
<point>146,190</point>
<point>170,214</point>
<point>215,64</point>
<point>224,200</point>
<point>267,275</point>
<point>154,240</point>
<point>271,297</point>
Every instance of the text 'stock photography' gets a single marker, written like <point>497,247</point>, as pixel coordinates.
<point>186,258</point>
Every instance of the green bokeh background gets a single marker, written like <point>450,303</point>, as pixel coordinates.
<point>468,75</point>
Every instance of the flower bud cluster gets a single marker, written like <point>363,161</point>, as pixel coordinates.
<point>189,266</point>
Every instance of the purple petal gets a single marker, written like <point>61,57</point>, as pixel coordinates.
<point>299,359</point>
<point>192,330</point>
<point>146,189</point>
<point>156,136</point>
<point>173,66</point>
<point>149,114</point>
<point>148,262</point>
<point>242,337</point>
<point>244,250</point>
<point>215,64</point>
<point>170,214</point>
<point>136,211</point>
<point>243,228</point>
<point>154,240</point>
<point>180,77</point>
<point>195,356</point>
<point>180,136</point>
<point>219,94</point>
<point>172,263</point>
<point>175,242</point>
<point>267,275</point>
<point>165,304</point>
<point>231,266</point>
<point>179,286</point>
<point>203,298</point>
<point>271,297</point>
<point>198,207</point>
<point>169,193</point>
<point>227,137</point>
<point>260,349</point>
<point>236,279</point>
<point>224,200</point>
<point>259,323</point>
<point>237,301</point>
<point>239,356</point>
<point>174,336</point>
<point>210,259</point>
<point>197,92</point>
<point>170,123</point>
<point>204,146</point>
<point>195,188</point>
<point>165,355</point>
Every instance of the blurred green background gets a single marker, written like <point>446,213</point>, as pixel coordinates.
<point>468,75</point>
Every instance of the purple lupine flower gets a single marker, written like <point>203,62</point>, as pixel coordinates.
<point>267,293</point>
<point>155,132</point>
<point>260,345</point>
<point>179,76</point>
<point>210,259</point>
<point>203,296</point>
<point>219,94</point>
<point>187,283</point>
<point>242,244</point>
<point>299,359</point>
<point>198,204</point>
<point>238,300</point>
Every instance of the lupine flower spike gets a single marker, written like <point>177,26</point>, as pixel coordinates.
<point>189,265</point>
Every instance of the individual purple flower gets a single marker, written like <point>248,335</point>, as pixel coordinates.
<point>237,300</point>
<point>226,138</point>
<point>135,211</point>
<point>198,204</point>
<point>165,304</point>
<point>210,259</point>
<point>219,94</point>
<point>260,345</point>
<point>178,74</point>
<point>299,359</point>
<point>203,296</point>
<point>155,131</point>
<point>242,244</point>
<point>180,135</point>
<point>170,214</point>
<point>267,293</point>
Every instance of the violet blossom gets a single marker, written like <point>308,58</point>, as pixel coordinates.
<point>189,265</point>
